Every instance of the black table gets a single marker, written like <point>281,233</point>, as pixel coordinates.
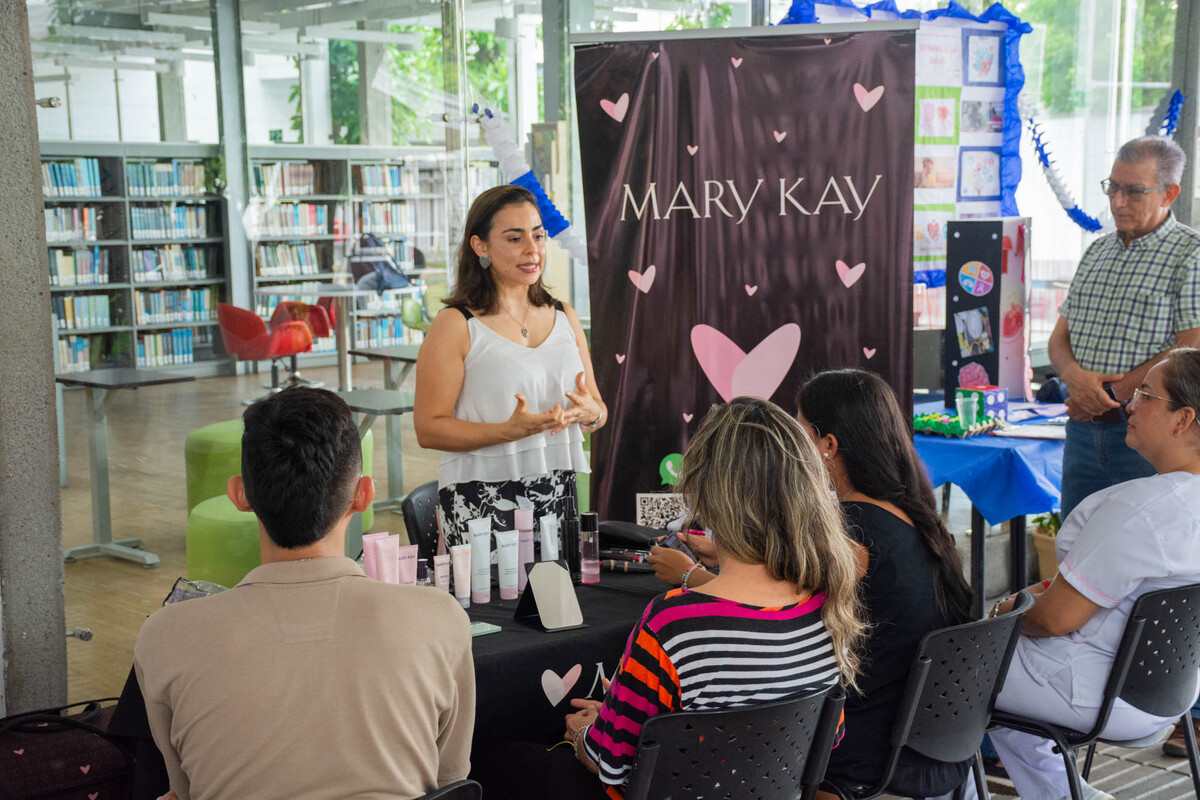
<point>398,362</point>
<point>99,382</point>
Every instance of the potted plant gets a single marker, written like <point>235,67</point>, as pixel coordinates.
<point>1045,529</point>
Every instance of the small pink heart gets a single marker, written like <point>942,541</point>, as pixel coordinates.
<point>737,62</point>
<point>933,229</point>
<point>828,40</point>
<point>848,274</point>
<point>620,358</point>
<point>85,769</point>
<point>867,99</point>
<point>869,352</point>
<point>20,752</point>
<point>654,56</point>
<point>687,417</point>
<point>643,280</point>
<point>618,109</point>
<point>556,688</point>
<point>93,795</point>
<point>692,148</point>
<point>750,290</point>
<point>779,135</point>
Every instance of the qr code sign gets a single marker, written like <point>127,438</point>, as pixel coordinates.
<point>656,509</point>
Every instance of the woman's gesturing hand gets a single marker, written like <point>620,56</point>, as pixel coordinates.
<point>583,407</point>
<point>524,422</point>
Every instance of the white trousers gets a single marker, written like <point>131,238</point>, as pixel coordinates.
<point>1037,772</point>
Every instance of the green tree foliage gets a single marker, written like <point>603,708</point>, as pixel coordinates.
<point>343,92</point>
<point>708,15</point>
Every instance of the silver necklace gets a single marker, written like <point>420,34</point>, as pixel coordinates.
<point>524,328</point>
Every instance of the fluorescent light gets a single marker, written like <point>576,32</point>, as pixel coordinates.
<point>150,52</point>
<point>410,41</point>
<point>113,63</point>
<point>65,48</point>
<point>117,34</point>
<point>312,50</point>
<point>55,77</point>
<point>200,23</point>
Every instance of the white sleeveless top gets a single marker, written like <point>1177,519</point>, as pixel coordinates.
<point>497,368</point>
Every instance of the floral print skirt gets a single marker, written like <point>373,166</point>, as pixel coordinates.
<point>469,500</point>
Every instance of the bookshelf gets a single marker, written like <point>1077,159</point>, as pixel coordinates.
<point>136,255</point>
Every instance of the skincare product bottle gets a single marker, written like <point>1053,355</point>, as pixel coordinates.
<point>523,519</point>
<point>506,559</point>
<point>589,547</point>
<point>570,537</point>
<point>460,561</point>
<point>480,531</point>
<point>549,534</point>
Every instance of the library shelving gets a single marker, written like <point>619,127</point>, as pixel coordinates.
<point>128,227</point>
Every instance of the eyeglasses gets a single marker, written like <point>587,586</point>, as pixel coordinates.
<point>1140,395</point>
<point>1112,189</point>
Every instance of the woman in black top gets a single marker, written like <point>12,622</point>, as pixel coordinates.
<point>913,583</point>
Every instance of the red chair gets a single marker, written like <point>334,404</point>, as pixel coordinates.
<point>247,338</point>
<point>318,322</point>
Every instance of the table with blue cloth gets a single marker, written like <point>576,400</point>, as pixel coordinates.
<point>1005,478</point>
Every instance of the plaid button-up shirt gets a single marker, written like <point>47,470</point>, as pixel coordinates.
<point>1128,301</point>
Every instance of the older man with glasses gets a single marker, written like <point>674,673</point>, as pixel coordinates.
<point>1135,295</point>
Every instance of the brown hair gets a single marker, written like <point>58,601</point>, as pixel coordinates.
<point>474,286</point>
<point>1181,378</point>
<point>752,476</point>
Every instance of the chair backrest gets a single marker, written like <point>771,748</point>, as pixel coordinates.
<point>315,317</point>
<point>459,790</point>
<point>771,751</point>
<point>420,518</point>
<point>239,326</point>
<point>1162,644</point>
<point>952,687</point>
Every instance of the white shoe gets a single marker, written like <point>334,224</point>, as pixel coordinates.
<point>1091,793</point>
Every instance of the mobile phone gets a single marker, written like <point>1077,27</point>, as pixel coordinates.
<point>673,541</point>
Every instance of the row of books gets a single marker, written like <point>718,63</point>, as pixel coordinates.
<point>80,223</point>
<point>171,263</point>
<point>81,312</point>
<point>175,305</point>
<point>294,219</point>
<point>285,178</point>
<point>385,179</point>
<point>74,354</point>
<point>274,260</point>
<point>383,332</point>
<point>386,219</point>
<point>169,222</point>
<point>165,178</point>
<point>78,177</point>
<point>482,175</point>
<point>265,306</point>
<point>168,348</point>
<point>79,267</point>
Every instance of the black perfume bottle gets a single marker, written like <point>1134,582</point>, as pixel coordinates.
<point>570,537</point>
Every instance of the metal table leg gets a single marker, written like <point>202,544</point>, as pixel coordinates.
<point>395,439</point>
<point>342,336</point>
<point>1020,575</point>
<point>102,541</point>
<point>978,548</point>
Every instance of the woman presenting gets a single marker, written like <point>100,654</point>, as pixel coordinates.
<point>505,386</point>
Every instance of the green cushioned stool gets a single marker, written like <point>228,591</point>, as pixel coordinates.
<point>213,454</point>
<point>222,542</point>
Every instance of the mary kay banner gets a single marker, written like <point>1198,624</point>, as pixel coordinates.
<point>749,218</point>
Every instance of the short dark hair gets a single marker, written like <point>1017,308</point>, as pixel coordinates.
<point>301,459</point>
<point>474,286</point>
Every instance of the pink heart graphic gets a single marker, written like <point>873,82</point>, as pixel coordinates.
<point>869,352</point>
<point>620,358</point>
<point>737,62</point>
<point>643,280</point>
<point>687,417</point>
<point>866,99</point>
<point>750,290</point>
<point>779,135</point>
<point>734,373</point>
<point>848,274</point>
<point>692,148</point>
<point>93,795</point>
<point>654,56</point>
<point>557,688</point>
<point>828,40</point>
<point>20,752</point>
<point>85,769</point>
<point>618,109</point>
<point>933,228</point>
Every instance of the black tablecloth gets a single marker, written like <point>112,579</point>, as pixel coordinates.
<point>512,672</point>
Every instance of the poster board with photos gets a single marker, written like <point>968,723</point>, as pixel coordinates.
<point>959,127</point>
<point>987,302</point>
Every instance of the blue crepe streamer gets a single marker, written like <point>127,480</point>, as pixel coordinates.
<point>933,278</point>
<point>552,219</point>
<point>1171,121</point>
<point>804,12</point>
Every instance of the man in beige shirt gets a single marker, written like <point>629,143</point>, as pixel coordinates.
<point>308,679</point>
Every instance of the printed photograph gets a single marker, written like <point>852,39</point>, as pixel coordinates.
<point>934,172</point>
<point>974,329</point>
<point>982,116</point>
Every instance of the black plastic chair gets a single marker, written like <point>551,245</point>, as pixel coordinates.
<point>952,686</point>
<point>420,518</point>
<point>772,751</point>
<point>1154,670</point>
<point>459,790</point>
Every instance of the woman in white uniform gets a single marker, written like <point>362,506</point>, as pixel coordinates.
<point>1118,544</point>
<point>505,386</point>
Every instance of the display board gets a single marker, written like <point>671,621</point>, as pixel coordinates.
<point>749,222</point>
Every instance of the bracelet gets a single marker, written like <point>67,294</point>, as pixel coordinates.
<point>579,735</point>
<point>688,573</point>
<point>1046,584</point>
<point>594,422</point>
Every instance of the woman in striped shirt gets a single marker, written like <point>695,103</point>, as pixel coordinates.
<point>780,619</point>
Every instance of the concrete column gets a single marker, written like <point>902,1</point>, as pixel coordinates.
<point>172,111</point>
<point>454,84</point>
<point>375,107</point>
<point>33,649</point>
<point>1185,76</point>
<point>231,109</point>
<point>316,102</point>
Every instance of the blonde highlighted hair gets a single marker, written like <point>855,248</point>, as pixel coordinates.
<point>753,477</point>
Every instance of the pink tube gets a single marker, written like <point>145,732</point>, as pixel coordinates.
<point>406,564</point>
<point>523,518</point>
<point>460,560</point>
<point>370,563</point>
<point>388,554</point>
